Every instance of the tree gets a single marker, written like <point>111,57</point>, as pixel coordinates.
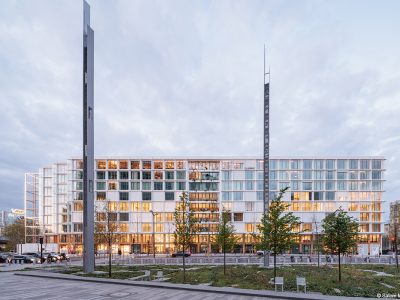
<point>225,238</point>
<point>185,227</point>
<point>15,233</point>
<point>106,230</point>
<point>340,234</point>
<point>277,228</point>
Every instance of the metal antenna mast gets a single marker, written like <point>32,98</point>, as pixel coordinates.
<point>266,138</point>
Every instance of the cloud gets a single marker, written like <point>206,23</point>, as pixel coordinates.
<point>185,78</point>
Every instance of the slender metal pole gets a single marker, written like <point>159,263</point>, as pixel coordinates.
<point>316,233</point>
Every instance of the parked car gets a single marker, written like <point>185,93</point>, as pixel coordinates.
<point>50,257</point>
<point>4,256</point>
<point>180,253</point>
<point>27,259</point>
<point>261,252</point>
<point>36,255</point>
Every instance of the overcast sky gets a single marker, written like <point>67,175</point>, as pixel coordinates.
<point>185,78</point>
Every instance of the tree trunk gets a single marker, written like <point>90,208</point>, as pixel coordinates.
<point>274,265</point>
<point>340,271</point>
<point>109,257</point>
<point>224,261</point>
<point>184,267</point>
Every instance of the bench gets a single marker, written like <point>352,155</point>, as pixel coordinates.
<point>278,281</point>
<point>301,281</point>
<point>146,276</point>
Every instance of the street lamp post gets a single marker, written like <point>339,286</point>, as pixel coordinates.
<point>316,235</point>
<point>154,240</point>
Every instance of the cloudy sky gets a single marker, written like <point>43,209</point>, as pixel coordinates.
<point>185,78</point>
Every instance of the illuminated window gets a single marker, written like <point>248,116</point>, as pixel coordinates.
<point>364,217</point>
<point>364,207</point>
<point>112,186</point>
<point>112,164</point>
<point>376,227</point>
<point>295,206</point>
<point>146,207</point>
<point>158,175</point>
<point>146,227</point>
<point>295,196</point>
<point>136,206</point>
<point>169,164</point>
<point>112,206</point>
<point>306,206</point>
<point>249,227</point>
<point>146,164</point>
<point>100,196</point>
<point>376,206</point>
<point>364,227</point>
<point>306,196</point>
<point>78,206</point>
<point>353,207</point>
<point>123,164</point>
<point>169,217</point>
<point>101,164</point>
<point>307,227</point>
<point>376,217</point>
<point>158,165</point>
<point>135,164</point>
<point>180,165</point>
<point>124,206</point>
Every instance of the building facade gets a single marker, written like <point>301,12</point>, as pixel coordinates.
<point>142,191</point>
<point>8,217</point>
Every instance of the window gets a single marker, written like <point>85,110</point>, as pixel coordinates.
<point>273,164</point>
<point>330,164</point>
<point>376,175</point>
<point>376,227</point>
<point>101,164</point>
<point>112,164</point>
<point>307,174</point>
<point>146,195</point>
<point>307,164</point>
<point>146,186</point>
<point>295,185</point>
<point>353,164</point>
<point>112,186</point>
<point>238,185</point>
<point>249,227</point>
<point>124,217</point>
<point>169,196</point>
<point>123,196</point>
<point>249,175</point>
<point>295,164</point>
<point>124,186</point>
<point>273,185</point>
<point>101,175</point>
<point>146,175</point>
<point>238,217</point>
<point>364,175</point>
<point>306,196</point>
<point>307,227</point>
<point>283,175</point>
<point>112,175</point>
<point>330,185</point>
<point>284,164</point>
<point>342,185</point>
<point>353,185</point>
<point>123,175</point>
<point>260,196</point>
<point>101,186</point>
<point>318,196</point>
<point>364,217</point>
<point>158,186</point>
<point>318,185</point>
<point>376,185</point>
<point>146,164</point>
<point>135,164</point>
<point>180,175</point>
<point>353,175</point>
<point>307,186</point>
<point>180,164</point>
<point>295,196</point>
<point>169,164</point>
<point>272,175</point>
<point>330,174</point>
<point>226,175</point>
<point>158,175</point>
<point>135,186</point>
<point>158,165</point>
<point>169,186</point>
<point>318,175</point>
<point>376,164</point>
<point>342,164</point>
<point>341,175</point>
<point>146,227</point>
<point>124,206</point>
<point>364,164</point>
<point>249,206</point>
<point>330,195</point>
<point>318,164</point>
<point>181,186</point>
<point>226,185</point>
<point>226,196</point>
<point>135,175</point>
<point>283,184</point>
<point>364,185</point>
<point>237,196</point>
<point>123,164</point>
<point>101,196</point>
<point>249,185</point>
<point>169,175</point>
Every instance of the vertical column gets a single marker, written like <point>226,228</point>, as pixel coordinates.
<point>266,145</point>
<point>88,142</point>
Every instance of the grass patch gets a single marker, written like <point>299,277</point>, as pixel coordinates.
<point>356,281</point>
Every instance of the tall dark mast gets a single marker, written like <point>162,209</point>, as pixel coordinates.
<point>266,138</point>
<point>88,142</point>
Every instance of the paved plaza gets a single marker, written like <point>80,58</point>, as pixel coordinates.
<point>14,287</point>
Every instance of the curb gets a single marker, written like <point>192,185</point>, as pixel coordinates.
<point>188,287</point>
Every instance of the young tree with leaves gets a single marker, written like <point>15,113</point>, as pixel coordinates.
<point>225,238</point>
<point>277,228</point>
<point>340,234</point>
<point>15,233</point>
<point>185,227</point>
<point>106,230</point>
